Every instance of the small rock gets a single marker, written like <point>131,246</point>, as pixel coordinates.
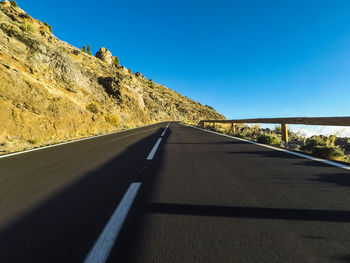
<point>123,69</point>
<point>105,55</point>
<point>76,52</point>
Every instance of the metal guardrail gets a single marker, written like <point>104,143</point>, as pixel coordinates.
<point>324,121</point>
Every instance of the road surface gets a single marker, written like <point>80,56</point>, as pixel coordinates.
<point>202,198</point>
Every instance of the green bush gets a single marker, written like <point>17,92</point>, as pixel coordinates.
<point>331,140</point>
<point>243,135</point>
<point>112,119</point>
<point>328,152</point>
<point>28,28</point>
<point>313,142</point>
<point>48,26</point>
<point>83,49</point>
<point>277,129</point>
<point>13,3</point>
<point>220,129</point>
<point>239,135</point>
<point>129,70</point>
<point>92,107</point>
<point>33,141</point>
<point>88,50</point>
<point>116,61</point>
<point>268,139</point>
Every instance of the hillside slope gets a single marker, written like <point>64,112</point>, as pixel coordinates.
<point>51,91</point>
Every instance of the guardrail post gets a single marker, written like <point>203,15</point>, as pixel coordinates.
<point>233,127</point>
<point>284,132</point>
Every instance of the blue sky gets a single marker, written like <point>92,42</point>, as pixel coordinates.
<point>245,58</point>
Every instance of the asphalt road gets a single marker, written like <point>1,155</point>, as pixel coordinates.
<point>203,198</point>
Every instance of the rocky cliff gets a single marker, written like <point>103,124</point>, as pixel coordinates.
<point>51,91</point>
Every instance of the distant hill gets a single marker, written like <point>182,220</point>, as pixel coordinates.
<point>51,91</point>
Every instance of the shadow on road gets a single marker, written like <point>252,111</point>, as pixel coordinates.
<point>127,248</point>
<point>64,227</point>
<point>268,154</point>
<point>250,212</point>
<point>341,179</point>
<point>213,143</point>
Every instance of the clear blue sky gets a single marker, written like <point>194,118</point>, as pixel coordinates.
<point>245,58</point>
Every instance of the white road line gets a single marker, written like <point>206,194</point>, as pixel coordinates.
<point>73,141</point>
<point>163,133</point>
<point>103,245</point>
<point>165,130</point>
<point>343,166</point>
<point>154,150</point>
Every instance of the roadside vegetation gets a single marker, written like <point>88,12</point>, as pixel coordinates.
<point>326,147</point>
<point>13,3</point>
<point>48,26</point>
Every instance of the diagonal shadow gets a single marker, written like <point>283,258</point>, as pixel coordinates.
<point>283,155</point>
<point>64,227</point>
<point>213,143</point>
<point>130,231</point>
<point>250,212</point>
<point>340,179</point>
<point>280,154</point>
<point>268,154</point>
<point>126,246</point>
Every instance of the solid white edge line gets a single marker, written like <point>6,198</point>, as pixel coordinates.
<point>154,150</point>
<point>343,166</point>
<point>103,245</point>
<point>73,141</point>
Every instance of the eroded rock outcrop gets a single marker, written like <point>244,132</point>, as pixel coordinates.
<point>105,55</point>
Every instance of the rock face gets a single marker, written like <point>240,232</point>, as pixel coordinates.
<point>105,55</point>
<point>138,74</point>
<point>50,91</point>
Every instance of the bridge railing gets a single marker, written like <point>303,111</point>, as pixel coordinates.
<point>324,121</point>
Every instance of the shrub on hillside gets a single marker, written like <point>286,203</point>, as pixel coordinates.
<point>28,28</point>
<point>268,139</point>
<point>331,140</point>
<point>277,129</point>
<point>328,152</point>
<point>244,134</point>
<point>240,135</point>
<point>92,107</point>
<point>220,129</point>
<point>88,50</point>
<point>83,49</point>
<point>313,142</point>
<point>116,61</point>
<point>112,119</point>
<point>33,141</point>
<point>48,26</point>
<point>13,3</point>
